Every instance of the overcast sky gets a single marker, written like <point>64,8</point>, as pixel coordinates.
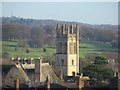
<point>86,12</point>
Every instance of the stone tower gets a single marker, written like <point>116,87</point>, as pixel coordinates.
<point>67,49</point>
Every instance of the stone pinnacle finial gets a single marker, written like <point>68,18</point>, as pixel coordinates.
<point>71,28</point>
<point>77,29</point>
<point>65,27</point>
<point>62,27</point>
<point>57,26</point>
<point>68,28</point>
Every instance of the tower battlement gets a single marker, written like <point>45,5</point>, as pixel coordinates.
<point>66,29</point>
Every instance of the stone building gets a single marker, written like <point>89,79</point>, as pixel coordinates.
<point>67,50</point>
<point>16,72</point>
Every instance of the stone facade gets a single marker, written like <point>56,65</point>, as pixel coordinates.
<point>67,49</point>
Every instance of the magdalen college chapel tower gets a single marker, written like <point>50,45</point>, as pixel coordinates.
<point>67,50</point>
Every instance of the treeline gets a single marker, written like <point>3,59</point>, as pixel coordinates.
<point>27,35</point>
<point>37,33</point>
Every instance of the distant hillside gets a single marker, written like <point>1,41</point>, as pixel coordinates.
<point>41,22</point>
<point>41,32</point>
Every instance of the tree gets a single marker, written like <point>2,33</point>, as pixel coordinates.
<point>98,70</point>
<point>38,37</point>
<point>99,60</point>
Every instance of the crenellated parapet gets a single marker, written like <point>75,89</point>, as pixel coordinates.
<point>65,30</point>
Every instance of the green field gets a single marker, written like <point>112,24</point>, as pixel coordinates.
<point>86,47</point>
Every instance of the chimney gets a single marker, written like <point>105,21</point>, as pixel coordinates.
<point>48,84</point>
<point>38,69</point>
<point>17,84</point>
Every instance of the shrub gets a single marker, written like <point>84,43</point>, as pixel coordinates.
<point>5,55</point>
<point>28,50</point>
<point>44,50</point>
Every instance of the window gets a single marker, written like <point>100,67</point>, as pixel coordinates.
<point>74,48</point>
<point>62,62</point>
<point>60,48</point>
<point>72,62</point>
<point>65,48</point>
<point>71,47</point>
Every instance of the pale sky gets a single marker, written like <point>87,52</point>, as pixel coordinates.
<point>85,12</point>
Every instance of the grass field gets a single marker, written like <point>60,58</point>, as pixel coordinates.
<point>86,47</point>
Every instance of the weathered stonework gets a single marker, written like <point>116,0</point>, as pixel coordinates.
<point>67,49</point>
